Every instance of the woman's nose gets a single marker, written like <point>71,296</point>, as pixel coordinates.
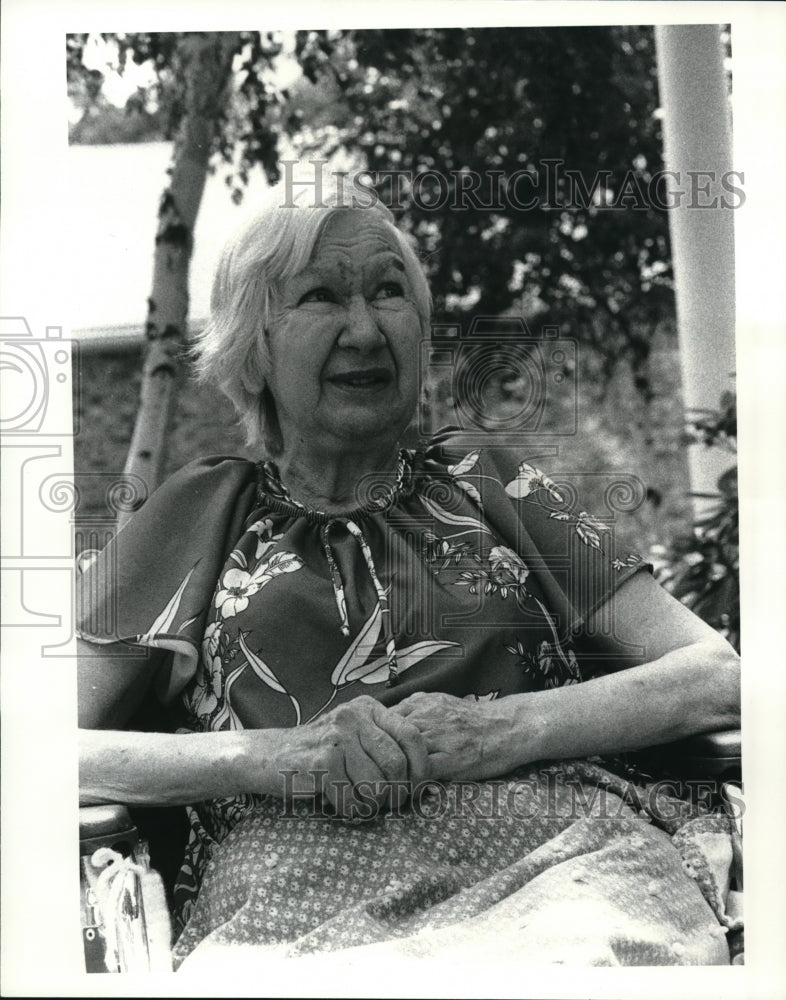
<point>361,329</point>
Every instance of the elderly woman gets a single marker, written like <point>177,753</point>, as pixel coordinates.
<point>350,630</point>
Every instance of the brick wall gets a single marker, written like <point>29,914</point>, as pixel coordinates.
<point>105,408</point>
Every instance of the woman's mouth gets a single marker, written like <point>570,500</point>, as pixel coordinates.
<point>362,379</point>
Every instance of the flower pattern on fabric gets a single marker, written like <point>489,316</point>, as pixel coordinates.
<point>238,586</point>
<point>208,692</point>
<point>529,480</point>
<point>439,513</point>
<point>273,654</point>
<point>267,539</point>
<point>631,559</point>
<point>209,686</point>
<point>265,674</point>
<point>588,528</point>
<point>550,663</point>
<point>461,469</point>
<point>506,574</point>
<point>359,663</point>
<point>438,549</point>
<point>165,621</point>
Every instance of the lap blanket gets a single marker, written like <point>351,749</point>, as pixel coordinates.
<point>559,864</point>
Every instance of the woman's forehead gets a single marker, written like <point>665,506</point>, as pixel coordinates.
<point>354,232</point>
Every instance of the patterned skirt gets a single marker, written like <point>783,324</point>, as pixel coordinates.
<point>557,864</point>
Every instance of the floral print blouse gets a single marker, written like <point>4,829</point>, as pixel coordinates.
<point>471,575</point>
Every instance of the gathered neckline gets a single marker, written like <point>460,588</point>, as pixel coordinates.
<point>272,492</point>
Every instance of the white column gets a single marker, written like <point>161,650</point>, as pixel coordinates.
<point>697,147</point>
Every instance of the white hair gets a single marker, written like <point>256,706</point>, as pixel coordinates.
<point>277,243</point>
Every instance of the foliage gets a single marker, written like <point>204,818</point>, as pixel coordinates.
<point>701,568</point>
<point>247,131</point>
<point>460,100</point>
<point>101,122</point>
<point>212,95</point>
<point>456,100</point>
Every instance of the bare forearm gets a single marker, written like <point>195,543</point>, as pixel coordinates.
<point>693,689</point>
<point>359,741</point>
<point>690,684</point>
<point>163,769</point>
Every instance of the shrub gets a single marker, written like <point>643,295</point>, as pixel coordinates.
<point>701,568</point>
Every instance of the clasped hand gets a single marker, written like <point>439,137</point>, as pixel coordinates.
<point>362,756</point>
<point>369,757</point>
<point>464,737</point>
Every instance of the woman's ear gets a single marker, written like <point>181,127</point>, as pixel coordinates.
<point>250,381</point>
<point>271,429</point>
<point>253,374</point>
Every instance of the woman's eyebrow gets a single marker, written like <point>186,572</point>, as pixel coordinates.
<point>312,273</point>
<point>383,262</point>
<point>340,270</point>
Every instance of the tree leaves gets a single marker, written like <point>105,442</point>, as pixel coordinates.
<point>508,99</point>
<point>701,568</point>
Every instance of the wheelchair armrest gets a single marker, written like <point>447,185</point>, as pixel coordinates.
<point>723,746</point>
<point>726,743</point>
<point>99,820</point>
<point>716,756</point>
<point>107,826</point>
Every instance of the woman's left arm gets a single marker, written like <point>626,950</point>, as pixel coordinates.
<point>688,683</point>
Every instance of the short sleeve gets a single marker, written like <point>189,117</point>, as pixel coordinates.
<point>570,552</point>
<point>152,585</point>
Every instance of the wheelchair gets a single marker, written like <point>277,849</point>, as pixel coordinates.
<point>129,858</point>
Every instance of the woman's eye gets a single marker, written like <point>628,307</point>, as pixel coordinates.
<point>390,290</point>
<point>317,295</point>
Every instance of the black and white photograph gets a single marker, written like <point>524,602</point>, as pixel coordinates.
<point>386,600</point>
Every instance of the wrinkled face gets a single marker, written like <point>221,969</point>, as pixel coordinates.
<point>343,341</point>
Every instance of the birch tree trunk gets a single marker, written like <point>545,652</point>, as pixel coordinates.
<point>204,64</point>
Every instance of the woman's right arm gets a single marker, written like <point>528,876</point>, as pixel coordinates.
<point>164,769</point>
<point>358,741</point>
<point>141,768</point>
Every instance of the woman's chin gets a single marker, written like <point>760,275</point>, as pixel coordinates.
<point>360,423</point>
<point>372,434</point>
